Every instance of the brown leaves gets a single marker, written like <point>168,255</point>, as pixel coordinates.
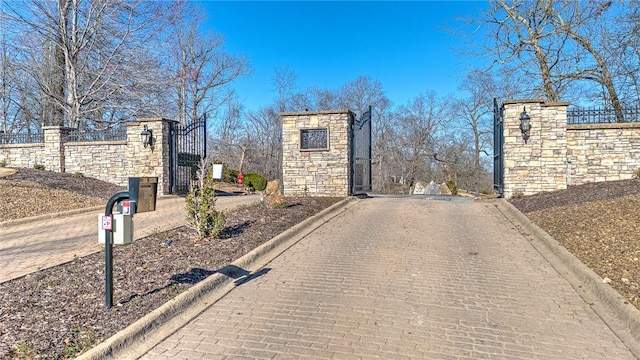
<point>599,223</point>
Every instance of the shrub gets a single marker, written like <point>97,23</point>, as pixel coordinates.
<point>229,175</point>
<point>452,187</point>
<point>3,163</point>
<point>637,174</point>
<point>38,167</point>
<point>255,180</point>
<point>78,174</point>
<point>201,206</point>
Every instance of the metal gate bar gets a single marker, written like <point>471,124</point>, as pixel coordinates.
<point>498,142</point>
<point>361,154</point>
<point>188,146</point>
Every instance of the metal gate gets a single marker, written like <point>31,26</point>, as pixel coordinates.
<point>187,146</point>
<point>361,154</point>
<point>498,142</point>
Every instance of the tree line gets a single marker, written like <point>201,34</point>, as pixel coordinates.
<point>97,64</point>
<point>94,65</point>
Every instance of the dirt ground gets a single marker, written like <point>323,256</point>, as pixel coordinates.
<point>599,223</point>
<point>59,312</point>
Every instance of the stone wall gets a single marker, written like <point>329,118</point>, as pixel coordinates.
<point>112,161</point>
<point>602,152</point>
<point>558,155</point>
<point>324,172</point>
<point>22,155</point>
<point>103,160</point>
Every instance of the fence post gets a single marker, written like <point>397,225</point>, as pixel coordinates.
<point>152,160</point>
<point>54,139</point>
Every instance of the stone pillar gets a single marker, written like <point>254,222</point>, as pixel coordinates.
<point>53,154</point>
<point>319,171</point>
<point>153,160</point>
<point>540,164</point>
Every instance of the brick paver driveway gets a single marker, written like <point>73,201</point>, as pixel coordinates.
<point>402,279</point>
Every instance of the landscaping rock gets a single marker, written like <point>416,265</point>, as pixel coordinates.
<point>272,197</point>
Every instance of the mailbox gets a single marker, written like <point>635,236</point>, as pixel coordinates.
<point>142,192</point>
<point>121,228</point>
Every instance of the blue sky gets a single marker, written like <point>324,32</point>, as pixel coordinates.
<point>327,44</point>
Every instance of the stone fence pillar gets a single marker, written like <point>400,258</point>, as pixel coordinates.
<point>154,159</point>
<point>540,164</point>
<point>53,154</point>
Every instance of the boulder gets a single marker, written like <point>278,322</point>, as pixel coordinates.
<point>419,188</point>
<point>272,196</point>
<point>433,189</point>
<point>444,189</point>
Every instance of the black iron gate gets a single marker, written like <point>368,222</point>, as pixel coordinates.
<point>498,142</point>
<point>187,146</point>
<point>361,154</point>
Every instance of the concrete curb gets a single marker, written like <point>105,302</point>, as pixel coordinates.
<point>621,316</point>
<point>57,215</point>
<point>141,336</point>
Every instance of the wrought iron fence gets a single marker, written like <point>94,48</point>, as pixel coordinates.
<point>22,138</point>
<point>111,134</point>
<point>601,115</point>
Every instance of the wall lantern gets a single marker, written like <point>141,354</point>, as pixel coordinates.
<point>525,124</point>
<point>147,136</point>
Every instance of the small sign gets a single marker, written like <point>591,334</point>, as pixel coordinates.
<point>217,171</point>
<point>126,208</point>
<point>107,224</point>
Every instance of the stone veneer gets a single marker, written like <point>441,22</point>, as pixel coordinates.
<point>602,152</point>
<point>558,155</point>
<point>112,161</point>
<point>540,164</point>
<point>317,172</point>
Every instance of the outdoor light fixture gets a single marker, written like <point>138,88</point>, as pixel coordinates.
<point>525,124</point>
<point>147,136</point>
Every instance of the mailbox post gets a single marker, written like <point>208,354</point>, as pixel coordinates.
<point>140,197</point>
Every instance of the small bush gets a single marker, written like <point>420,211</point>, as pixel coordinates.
<point>255,180</point>
<point>201,206</point>
<point>3,163</point>
<point>229,175</point>
<point>517,195</point>
<point>38,167</point>
<point>452,187</point>
<point>78,174</point>
<point>637,174</point>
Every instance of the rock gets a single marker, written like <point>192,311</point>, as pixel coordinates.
<point>444,189</point>
<point>606,280</point>
<point>272,196</point>
<point>433,189</point>
<point>419,189</point>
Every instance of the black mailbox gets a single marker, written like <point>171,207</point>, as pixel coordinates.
<point>143,190</point>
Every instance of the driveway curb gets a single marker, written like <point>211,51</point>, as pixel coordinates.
<point>57,215</point>
<point>141,336</point>
<point>621,316</point>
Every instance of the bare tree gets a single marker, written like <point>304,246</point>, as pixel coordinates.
<point>86,47</point>
<point>264,133</point>
<point>563,43</point>
<point>418,123</point>
<point>203,69</point>
<point>474,112</point>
